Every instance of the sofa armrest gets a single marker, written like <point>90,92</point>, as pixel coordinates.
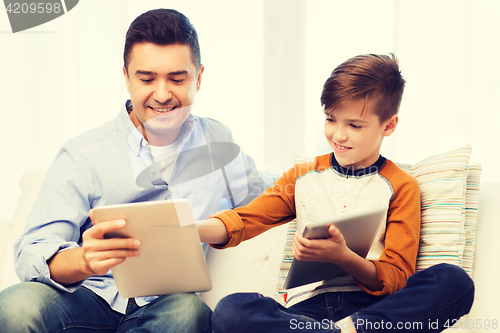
<point>5,229</point>
<point>30,184</point>
<point>487,256</point>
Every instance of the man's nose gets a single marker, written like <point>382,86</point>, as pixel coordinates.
<point>162,93</point>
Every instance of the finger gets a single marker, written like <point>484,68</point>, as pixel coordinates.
<point>102,267</point>
<point>295,246</point>
<point>297,253</point>
<point>100,262</point>
<point>297,242</point>
<point>100,229</point>
<point>111,254</point>
<point>301,255</point>
<point>91,215</point>
<point>92,244</point>
<point>337,236</point>
<point>300,250</point>
<point>302,240</point>
<point>308,245</point>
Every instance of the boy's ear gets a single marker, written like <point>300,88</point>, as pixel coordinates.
<point>390,125</point>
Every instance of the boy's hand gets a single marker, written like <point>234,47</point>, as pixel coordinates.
<point>333,249</point>
<point>100,253</point>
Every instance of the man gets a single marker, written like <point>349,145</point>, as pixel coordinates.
<point>155,149</point>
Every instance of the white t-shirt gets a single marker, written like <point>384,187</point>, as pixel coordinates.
<point>165,157</point>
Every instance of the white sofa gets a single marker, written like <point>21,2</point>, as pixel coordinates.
<point>254,265</point>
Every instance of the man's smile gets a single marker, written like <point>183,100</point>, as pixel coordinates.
<point>163,109</point>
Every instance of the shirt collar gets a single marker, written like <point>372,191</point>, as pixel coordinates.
<point>374,168</point>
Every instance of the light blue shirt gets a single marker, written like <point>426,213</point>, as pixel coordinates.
<point>113,164</point>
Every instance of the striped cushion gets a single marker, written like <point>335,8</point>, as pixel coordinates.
<point>450,194</point>
<point>471,207</point>
<point>442,179</point>
<point>280,292</point>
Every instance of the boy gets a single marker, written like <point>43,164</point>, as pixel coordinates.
<point>361,99</point>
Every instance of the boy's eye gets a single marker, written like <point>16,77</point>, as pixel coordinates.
<point>330,120</point>
<point>178,80</point>
<point>147,80</point>
<point>355,126</point>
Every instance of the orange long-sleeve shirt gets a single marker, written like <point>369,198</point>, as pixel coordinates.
<point>315,190</point>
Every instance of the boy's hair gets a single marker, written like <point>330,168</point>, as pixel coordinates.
<point>376,79</point>
<point>162,27</point>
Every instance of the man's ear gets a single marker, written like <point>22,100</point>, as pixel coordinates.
<point>390,125</point>
<point>127,80</point>
<point>198,79</point>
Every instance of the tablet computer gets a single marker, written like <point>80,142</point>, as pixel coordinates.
<point>359,230</point>
<point>171,259</point>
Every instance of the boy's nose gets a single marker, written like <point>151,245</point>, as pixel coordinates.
<point>339,135</point>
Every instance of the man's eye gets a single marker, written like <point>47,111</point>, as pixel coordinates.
<point>178,81</point>
<point>147,80</point>
<point>330,120</point>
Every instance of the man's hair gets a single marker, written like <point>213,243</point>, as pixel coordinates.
<point>162,27</point>
<point>375,79</point>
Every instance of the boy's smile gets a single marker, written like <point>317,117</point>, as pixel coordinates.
<point>356,135</point>
<point>340,148</point>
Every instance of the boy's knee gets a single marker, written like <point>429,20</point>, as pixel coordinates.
<point>231,304</point>
<point>22,306</point>
<point>453,276</point>
<point>224,316</point>
<point>452,281</point>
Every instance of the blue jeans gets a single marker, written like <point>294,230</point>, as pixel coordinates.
<point>431,300</point>
<point>36,307</point>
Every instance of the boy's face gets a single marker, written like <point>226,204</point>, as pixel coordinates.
<point>354,137</point>
<point>162,81</point>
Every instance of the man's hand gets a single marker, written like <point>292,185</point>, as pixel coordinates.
<point>100,253</point>
<point>333,249</point>
<point>96,255</point>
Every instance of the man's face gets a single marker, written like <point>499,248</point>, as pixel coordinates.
<point>356,139</point>
<point>162,81</point>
